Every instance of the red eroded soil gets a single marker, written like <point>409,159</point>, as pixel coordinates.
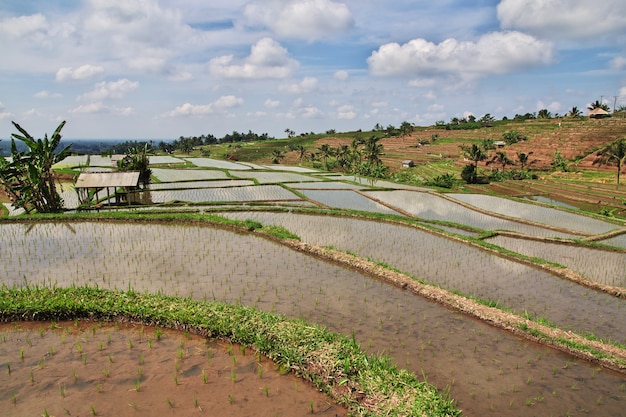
<point>572,138</point>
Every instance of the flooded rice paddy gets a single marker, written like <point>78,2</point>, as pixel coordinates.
<point>454,266</point>
<point>603,266</point>
<point>85,368</point>
<point>432,207</point>
<point>535,213</point>
<point>488,371</point>
<point>217,194</point>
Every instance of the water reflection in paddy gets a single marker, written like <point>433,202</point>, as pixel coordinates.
<point>432,207</point>
<point>452,265</point>
<point>602,266</point>
<point>490,372</point>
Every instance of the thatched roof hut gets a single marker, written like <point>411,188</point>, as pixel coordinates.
<point>597,113</point>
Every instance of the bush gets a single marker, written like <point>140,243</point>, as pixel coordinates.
<point>445,181</point>
<point>469,174</point>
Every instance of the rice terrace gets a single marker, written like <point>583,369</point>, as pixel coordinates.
<point>413,271</point>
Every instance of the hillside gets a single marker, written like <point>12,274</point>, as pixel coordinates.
<point>573,138</point>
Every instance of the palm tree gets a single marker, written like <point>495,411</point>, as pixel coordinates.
<point>544,114</point>
<point>325,152</point>
<point>501,158</point>
<point>301,152</point>
<point>523,158</point>
<point>342,154</point>
<point>277,155</point>
<point>613,154</point>
<point>575,112</point>
<point>406,128</point>
<point>137,159</point>
<point>474,153</point>
<point>373,151</point>
<point>598,105</point>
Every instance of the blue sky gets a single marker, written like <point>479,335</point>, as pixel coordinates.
<point>163,68</point>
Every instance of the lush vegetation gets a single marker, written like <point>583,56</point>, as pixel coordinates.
<point>27,178</point>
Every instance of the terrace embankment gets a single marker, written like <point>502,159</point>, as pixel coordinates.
<point>612,356</point>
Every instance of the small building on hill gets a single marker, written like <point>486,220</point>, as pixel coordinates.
<point>89,184</point>
<point>598,113</point>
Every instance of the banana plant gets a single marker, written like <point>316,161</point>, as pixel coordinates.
<point>28,178</point>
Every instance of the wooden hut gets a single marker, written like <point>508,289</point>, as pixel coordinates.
<point>121,183</point>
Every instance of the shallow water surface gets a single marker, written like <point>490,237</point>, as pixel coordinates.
<point>452,265</point>
<point>489,372</point>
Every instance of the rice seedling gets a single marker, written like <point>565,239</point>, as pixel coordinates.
<point>205,378</point>
<point>137,385</point>
<point>93,410</point>
<point>169,402</point>
<point>230,398</point>
<point>176,379</point>
<point>9,368</point>
<point>14,399</point>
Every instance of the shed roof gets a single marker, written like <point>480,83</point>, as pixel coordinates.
<point>597,111</point>
<point>107,179</point>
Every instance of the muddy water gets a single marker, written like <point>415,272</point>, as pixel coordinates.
<point>451,265</point>
<point>82,369</point>
<point>488,371</point>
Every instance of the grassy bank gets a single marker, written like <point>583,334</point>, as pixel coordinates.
<point>367,386</point>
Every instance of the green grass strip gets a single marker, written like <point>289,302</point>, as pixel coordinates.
<point>366,385</point>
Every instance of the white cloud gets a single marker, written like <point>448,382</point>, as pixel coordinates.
<point>553,107</point>
<point>80,73</point>
<point>100,108</point>
<point>566,19</point>
<point>188,109</point>
<point>341,75</point>
<point>89,108</point>
<point>111,89</point>
<point>271,104</point>
<point>46,94</point>
<point>33,26</point>
<point>310,112</point>
<point>3,113</point>
<point>267,59</point>
<point>301,19</point>
<point>618,63</point>
<point>346,112</point>
<point>436,108</point>
<point>307,85</point>
<point>493,53</point>
<point>181,76</point>
<point>228,101</point>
